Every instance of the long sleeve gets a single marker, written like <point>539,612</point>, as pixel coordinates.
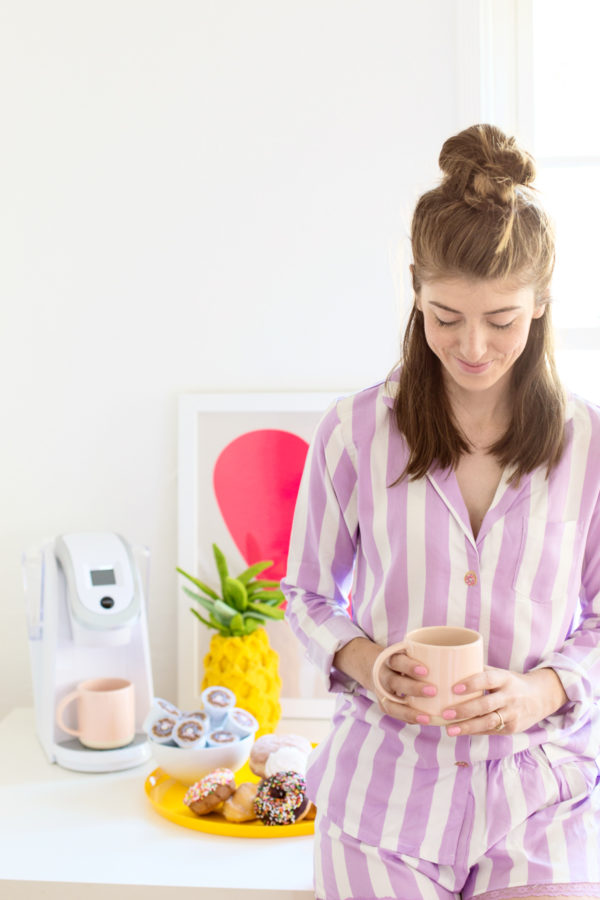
<point>322,550</point>
<point>577,662</point>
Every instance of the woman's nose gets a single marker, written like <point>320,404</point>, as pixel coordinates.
<point>473,344</point>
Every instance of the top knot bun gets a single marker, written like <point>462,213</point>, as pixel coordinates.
<point>482,165</point>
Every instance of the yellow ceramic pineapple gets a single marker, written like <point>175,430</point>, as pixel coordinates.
<point>240,656</point>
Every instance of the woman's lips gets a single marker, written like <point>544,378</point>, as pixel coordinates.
<point>471,369</point>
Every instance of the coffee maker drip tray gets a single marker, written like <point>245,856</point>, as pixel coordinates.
<point>73,755</point>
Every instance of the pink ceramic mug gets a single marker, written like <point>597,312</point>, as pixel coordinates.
<point>450,654</point>
<point>105,713</point>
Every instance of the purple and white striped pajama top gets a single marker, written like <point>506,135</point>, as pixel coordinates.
<point>529,582</point>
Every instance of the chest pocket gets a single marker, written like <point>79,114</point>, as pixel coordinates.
<point>546,563</point>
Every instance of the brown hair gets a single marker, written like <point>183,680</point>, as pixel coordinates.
<point>482,221</point>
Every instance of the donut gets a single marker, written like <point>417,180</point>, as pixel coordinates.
<point>286,759</point>
<point>240,806</point>
<point>189,732</point>
<point>270,743</point>
<point>311,812</point>
<point>296,740</point>
<point>205,795</point>
<point>260,752</point>
<point>281,799</point>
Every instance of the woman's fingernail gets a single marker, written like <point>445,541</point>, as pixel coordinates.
<point>429,690</point>
<point>420,670</point>
<point>449,714</point>
<point>453,731</point>
<point>423,720</point>
<point>459,688</point>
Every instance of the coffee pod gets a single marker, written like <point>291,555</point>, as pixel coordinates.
<point>189,732</point>
<point>198,714</point>
<point>162,729</point>
<point>158,709</point>
<point>217,702</point>
<point>220,738</point>
<point>241,722</point>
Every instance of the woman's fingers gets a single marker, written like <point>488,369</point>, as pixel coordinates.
<point>404,676</point>
<point>404,712</point>
<point>489,680</point>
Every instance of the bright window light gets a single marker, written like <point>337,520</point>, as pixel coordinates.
<point>566,144</point>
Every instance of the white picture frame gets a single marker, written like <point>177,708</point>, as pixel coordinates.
<point>207,423</point>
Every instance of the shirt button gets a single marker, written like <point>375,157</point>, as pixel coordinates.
<point>470,578</point>
<point>461,763</point>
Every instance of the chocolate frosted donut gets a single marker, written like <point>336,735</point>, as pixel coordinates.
<point>281,799</point>
<point>212,790</point>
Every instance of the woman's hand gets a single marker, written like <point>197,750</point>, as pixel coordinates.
<point>513,701</point>
<point>405,677</point>
<point>400,675</point>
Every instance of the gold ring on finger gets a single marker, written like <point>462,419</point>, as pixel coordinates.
<point>501,722</point>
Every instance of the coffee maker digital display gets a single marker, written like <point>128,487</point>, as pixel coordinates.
<point>102,576</point>
<point>87,619</point>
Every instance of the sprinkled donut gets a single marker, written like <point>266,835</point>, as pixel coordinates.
<point>281,799</point>
<point>208,793</point>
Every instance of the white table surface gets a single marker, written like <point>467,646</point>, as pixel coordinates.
<point>66,833</point>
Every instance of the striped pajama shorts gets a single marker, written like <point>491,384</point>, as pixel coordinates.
<point>531,828</point>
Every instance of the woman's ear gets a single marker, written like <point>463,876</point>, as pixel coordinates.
<point>416,287</point>
<point>541,304</point>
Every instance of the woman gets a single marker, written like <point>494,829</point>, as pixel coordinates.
<point>462,491</point>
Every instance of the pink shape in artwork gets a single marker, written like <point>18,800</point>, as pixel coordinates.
<point>256,480</point>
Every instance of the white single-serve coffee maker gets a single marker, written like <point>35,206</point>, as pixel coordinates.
<point>86,620</point>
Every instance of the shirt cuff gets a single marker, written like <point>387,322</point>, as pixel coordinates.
<point>337,632</point>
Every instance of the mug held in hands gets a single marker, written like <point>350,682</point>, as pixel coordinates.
<point>450,654</point>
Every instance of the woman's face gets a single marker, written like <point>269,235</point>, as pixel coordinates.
<point>477,328</point>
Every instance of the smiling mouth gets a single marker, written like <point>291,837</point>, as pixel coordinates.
<point>473,369</point>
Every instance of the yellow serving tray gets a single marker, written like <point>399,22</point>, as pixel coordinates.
<point>166,796</point>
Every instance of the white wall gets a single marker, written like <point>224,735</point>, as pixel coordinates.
<point>197,195</point>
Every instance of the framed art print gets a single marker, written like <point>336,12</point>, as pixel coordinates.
<point>240,461</point>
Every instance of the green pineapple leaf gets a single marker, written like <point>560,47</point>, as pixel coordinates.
<point>203,587</point>
<point>254,570</point>
<point>222,629</point>
<point>224,612</point>
<point>204,601</point>
<point>270,597</point>
<point>269,612</point>
<point>235,594</point>
<point>261,585</point>
<point>221,566</point>
<point>246,602</point>
<point>205,621</point>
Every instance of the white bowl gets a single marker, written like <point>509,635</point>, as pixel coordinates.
<point>188,764</point>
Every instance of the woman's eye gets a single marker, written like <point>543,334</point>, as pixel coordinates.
<point>444,323</point>
<point>508,324</point>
